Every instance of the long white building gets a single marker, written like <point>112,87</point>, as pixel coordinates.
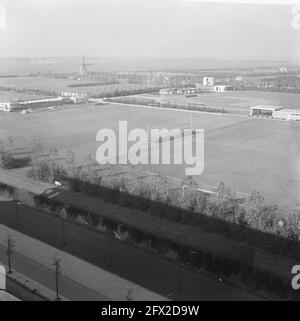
<point>9,106</point>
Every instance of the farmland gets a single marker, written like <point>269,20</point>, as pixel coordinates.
<point>59,85</point>
<point>247,154</point>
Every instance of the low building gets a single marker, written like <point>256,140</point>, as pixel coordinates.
<point>42,102</point>
<point>180,91</point>
<point>264,110</point>
<point>70,94</point>
<point>287,114</point>
<point>80,99</point>
<point>284,69</point>
<point>190,91</point>
<point>7,106</point>
<point>67,98</point>
<point>222,88</point>
<point>14,106</point>
<point>168,91</point>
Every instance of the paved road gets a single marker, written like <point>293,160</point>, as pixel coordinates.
<point>45,276</point>
<point>20,292</point>
<point>129,262</point>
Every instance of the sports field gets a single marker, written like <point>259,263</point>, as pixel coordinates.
<point>13,96</point>
<point>236,101</point>
<point>247,154</point>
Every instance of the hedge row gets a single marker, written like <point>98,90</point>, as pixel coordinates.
<point>154,103</point>
<point>269,242</point>
<point>126,92</point>
<point>247,274</point>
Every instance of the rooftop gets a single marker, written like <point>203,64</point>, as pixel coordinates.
<point>290,111</point>
<point>267,107</point>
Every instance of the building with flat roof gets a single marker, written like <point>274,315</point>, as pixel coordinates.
<point>168,91</point>
<point>287,114</point>
<point>179,91</point>
<point>222,88</point>
<point>264,110</point>
<point>276,112</point>
<point>80,99</point>
<point>7,106</point>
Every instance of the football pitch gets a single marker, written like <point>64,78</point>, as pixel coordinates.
<point>246,154</point>
<point>238,102</point>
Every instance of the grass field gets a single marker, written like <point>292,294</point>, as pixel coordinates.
<point>237,101</point>
<point>13,96</point>
<point>245,153</point>
<point>60,85</point>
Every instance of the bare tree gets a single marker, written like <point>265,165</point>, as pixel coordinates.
<point>57,270</point>
<point>10,243</point>
<point>129,295</point>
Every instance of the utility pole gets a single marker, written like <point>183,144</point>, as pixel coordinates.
<point>57,269</point>
<point>10,249</point>
<point>191,121</point>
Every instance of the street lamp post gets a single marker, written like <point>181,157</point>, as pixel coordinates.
<point>281,225</point>
<point>110,247</point>
<point>64,242</point>
<point>179,280</point>
<point>17,212</point>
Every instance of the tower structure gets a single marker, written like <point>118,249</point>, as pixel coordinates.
<point>83,72</point>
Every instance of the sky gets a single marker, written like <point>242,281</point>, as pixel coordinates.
<point>148,28</point>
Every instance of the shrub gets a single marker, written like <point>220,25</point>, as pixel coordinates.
<point>6,160</point>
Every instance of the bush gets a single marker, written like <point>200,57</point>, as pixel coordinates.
<point>47,171</point>
<point>6,160</point>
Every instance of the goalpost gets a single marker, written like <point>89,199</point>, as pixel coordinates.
<point>200,190</point>
<point>212,191</point>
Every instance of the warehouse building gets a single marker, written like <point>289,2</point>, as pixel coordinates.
<point>10,106</point>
